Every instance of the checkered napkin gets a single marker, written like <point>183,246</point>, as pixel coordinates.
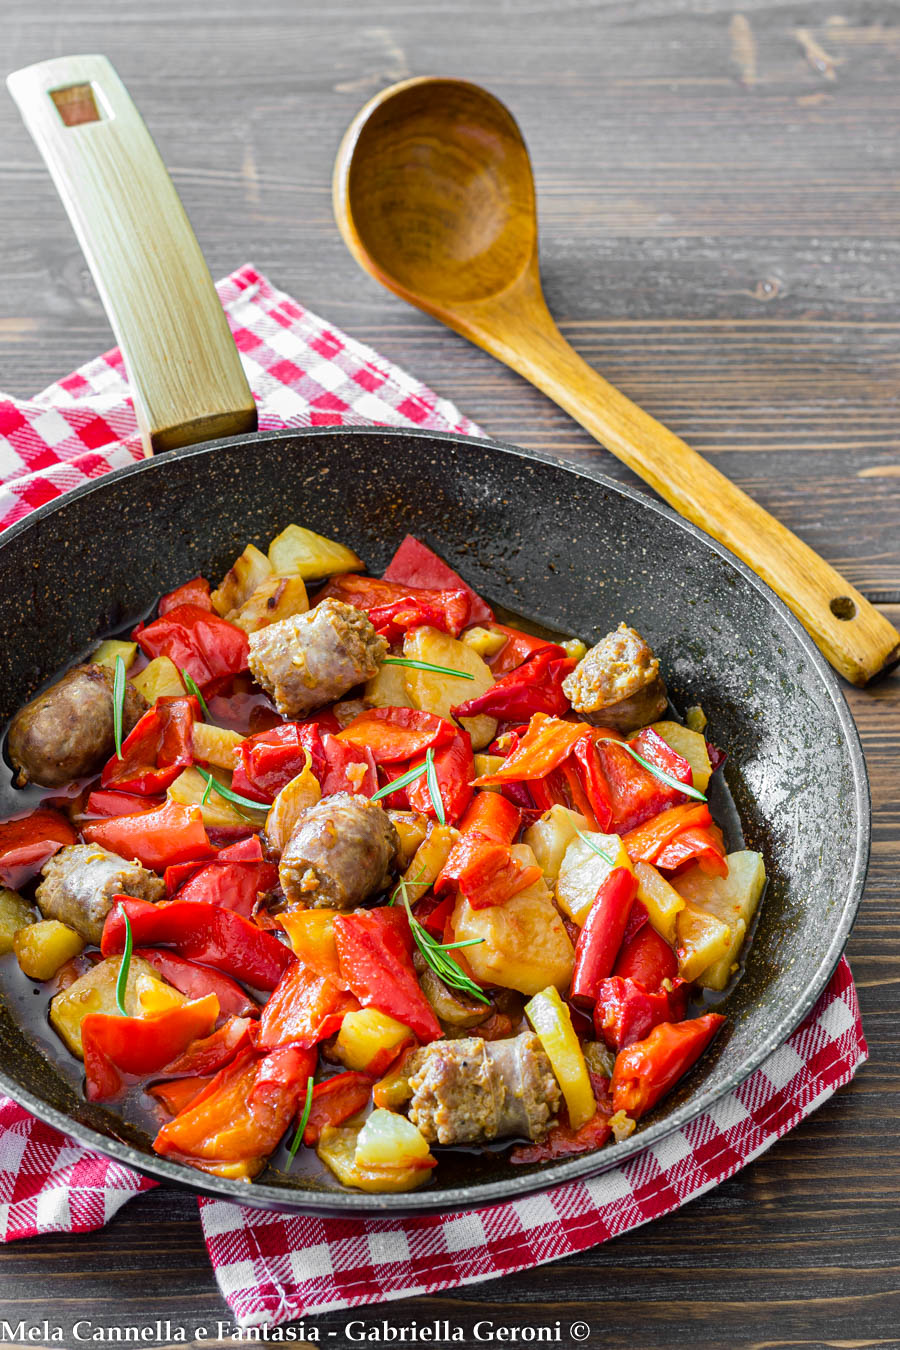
<point>273,1267</point>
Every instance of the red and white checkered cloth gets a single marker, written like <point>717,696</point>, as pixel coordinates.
<point>273,1267</point>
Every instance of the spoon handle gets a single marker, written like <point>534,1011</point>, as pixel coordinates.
<point>858,641</point>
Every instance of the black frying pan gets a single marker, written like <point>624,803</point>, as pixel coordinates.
<point>564,547</point>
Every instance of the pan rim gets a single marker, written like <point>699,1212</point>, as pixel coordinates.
<point>518,1185</point>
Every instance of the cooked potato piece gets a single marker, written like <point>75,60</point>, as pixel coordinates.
<point>387,689</point>
<point>485,765</point>
<point>691,746</point>
<point>390,1140</point>
<point>369,1041</point>
<point>158,679</point>
<point>485,641</point>
<point>250,570</point>
<point>437,693</point>
<point>701,941</point>
<point>412,829</point>
<point>526,946</point>
<point>551,835</point>
<point>310,555</point>
<point>106,653</point>
<point>95,992</point>
<point>733,900</point>
<point>696,718</point>
<point>294,798</point>
<point>189,789</point>
<point>41,948</point>
<point>583,871</point>
<point>337,1150</point>
<point>277,598</point>
<point>215,745</point>
<point>154,997</point>
<point>661,901</point>
<point>15,913</point>
<point>428,860</point>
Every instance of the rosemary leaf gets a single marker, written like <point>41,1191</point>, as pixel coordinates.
<point>298,1137</point>
<point>661,774</point>
<point>124,964</point>
<point>192,687</point>
<point>398,783</point>
<point>426,665</point>
<point>118,704</point>
<point>595,848</point>
<point>213,785</point>
<point>434,787</point>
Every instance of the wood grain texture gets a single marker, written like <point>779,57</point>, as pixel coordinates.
<point>719,237</point>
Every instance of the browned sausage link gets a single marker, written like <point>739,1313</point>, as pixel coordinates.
<point>473,1090</point>
<point>80,882</point>
<point>67,731</point>
<point>340,853</point>
<point>308,660</point>
<point>618,684</point>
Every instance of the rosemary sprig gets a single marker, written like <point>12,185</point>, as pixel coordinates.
<point>657,773</point>
<point>426,665</point>
<point>118,704</point>
<point>213,785</point>
<point>192,687</point>
<point>298,1137</point>
<point>403,781</point>
<point>124,965</point>
<point>434,787</point>
<point>595,848</point>
<point>435,953</point>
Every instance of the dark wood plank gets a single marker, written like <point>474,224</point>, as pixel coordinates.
<point>718,201</point>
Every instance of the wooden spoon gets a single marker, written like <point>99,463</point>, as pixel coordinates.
<point>434,196</point>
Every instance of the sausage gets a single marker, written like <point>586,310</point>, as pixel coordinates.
<point>617,683</point>
<point>471,1090</point>
<point>340,852</point>
<point>308,660</point>
<point>67,731</point>
<point>80,882</point>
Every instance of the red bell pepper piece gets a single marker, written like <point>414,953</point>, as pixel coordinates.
<point>533,687</point>
<point>102,803</point>
<point>626,1011</point>
<point>198,641</point>
<point>267,762</point>
<point>196,981</point>
<point>396,734</point>
<point>307,1006</point>
<point>519,647</point>
<point>193,592</point>
<point>172,834</point>
<point>395,608</point>
<point>206,933</point>
<point>454,765</point>
<point>636,921</point>
<point>578,798</point>
<point>432,913</point>
<point>137,1046</point>
<point>236,878</point>
<point>374,948</point>
<point>348,768</point>
<point>562,1141</point>
<point>156,749</point>
<point>651,746</point>
<point>646,842</point>
<point>179,1092</point>
<point>545,745</point>
<point>601,937</point>
<point>334,1101</point>
<point>647,959</point>
<point>287,1066</point>
<point>414,564</point>
<point>229,1123</point>
<point>702,845</point>
<point>647,1070</point>
<point>635,793</point>
<point>486,873</point>
<point>209,1054</point>
<point>593,781</point>
<point>27,842</point>
<point>493,817</point>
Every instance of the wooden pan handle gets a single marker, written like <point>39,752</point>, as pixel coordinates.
<point>182,364</point>
<point>518,329</point>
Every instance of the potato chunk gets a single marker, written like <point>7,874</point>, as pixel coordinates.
<point>732,900</point>
<point>436,693</point>
<point>310,555</point>
<point>15,913</point>
<point>526,946</point>
<point>551,835</point>
<point>95,992</point>
<point>189,789</point>
<point>275,599</point>
<point>248,571</point>
<point>41,948</point>
<point>387,689</point>
<point>158,679</point>
<point>691,746</point>
<point>106,653</point>
<point>583,871</point>
<point>337,1150</point>
<point>428,860</point>
<point>701,941</point>
<point>661,901</point>
<point>215,745</point>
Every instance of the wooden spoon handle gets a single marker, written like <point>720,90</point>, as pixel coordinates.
<point>182,364</point>
<point>858,641</point>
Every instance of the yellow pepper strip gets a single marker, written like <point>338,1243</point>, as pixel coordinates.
<point>551,1020</point>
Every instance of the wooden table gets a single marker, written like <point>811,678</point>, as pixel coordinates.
<point>718,201</point>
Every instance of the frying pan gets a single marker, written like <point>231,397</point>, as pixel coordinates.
<point>562,546</point>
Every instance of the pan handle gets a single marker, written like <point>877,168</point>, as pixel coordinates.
<point>182,364</point>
